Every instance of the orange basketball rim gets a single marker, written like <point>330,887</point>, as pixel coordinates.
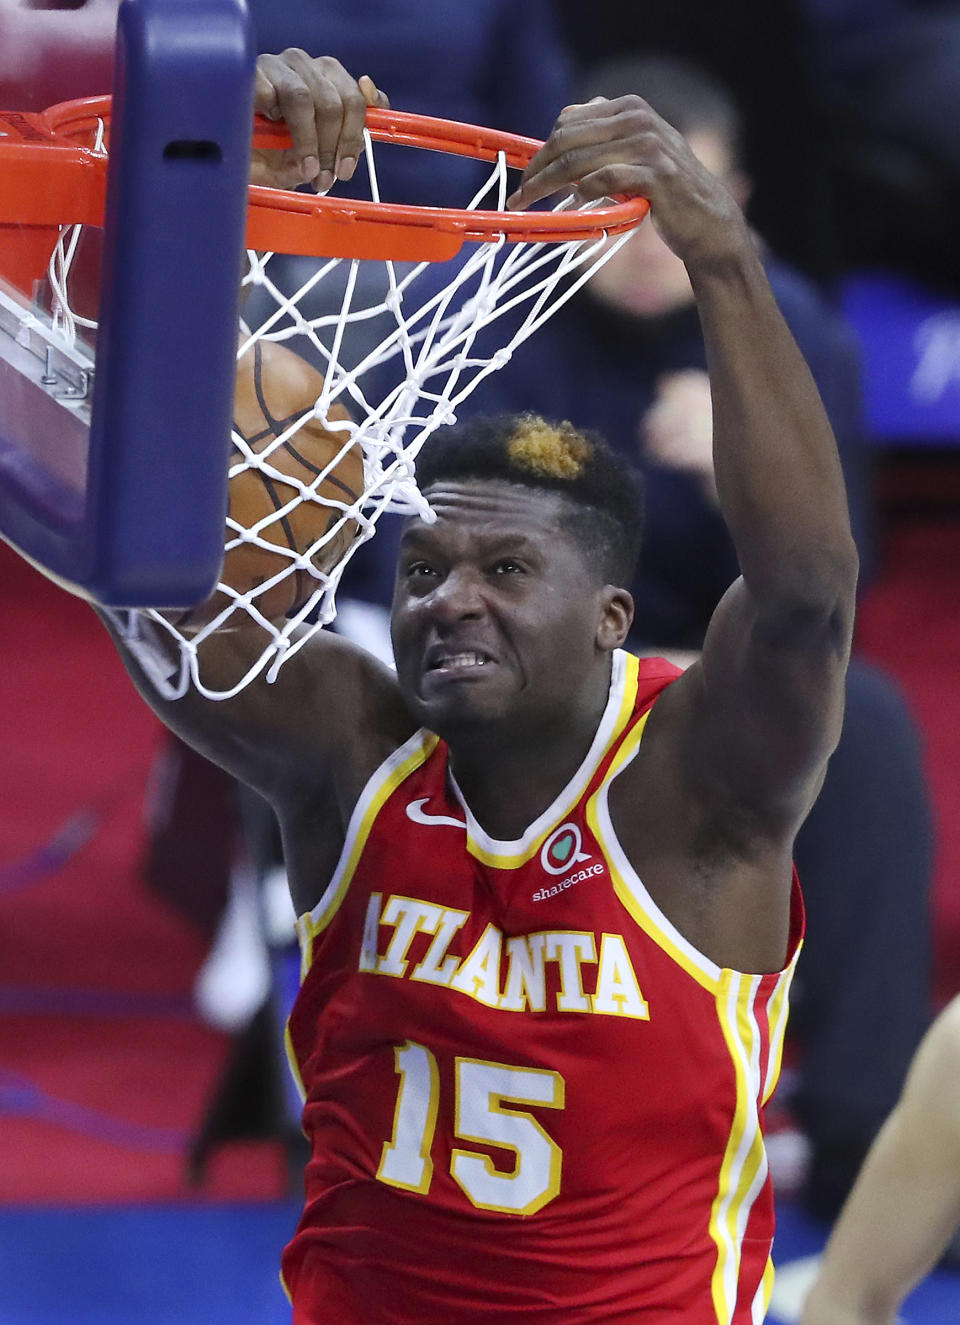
<point>54,173</point>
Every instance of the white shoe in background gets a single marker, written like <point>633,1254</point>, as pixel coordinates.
<point>279,917</point>
<point>234,981</point>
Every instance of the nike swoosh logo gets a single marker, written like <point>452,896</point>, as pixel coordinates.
<point>416,813</point>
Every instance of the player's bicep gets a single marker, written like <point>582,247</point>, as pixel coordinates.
<point>770,703</point>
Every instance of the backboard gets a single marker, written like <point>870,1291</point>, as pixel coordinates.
<point>113,449</point>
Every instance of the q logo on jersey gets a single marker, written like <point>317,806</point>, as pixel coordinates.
<point>562,849</point>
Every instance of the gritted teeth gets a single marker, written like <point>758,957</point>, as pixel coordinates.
<point>466,658</point>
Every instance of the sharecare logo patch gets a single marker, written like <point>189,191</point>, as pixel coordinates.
<point>562,849</point>
<point>542,894</point>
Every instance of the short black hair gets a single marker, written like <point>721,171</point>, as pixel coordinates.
<point>604,492</point>
<point>681,92</point>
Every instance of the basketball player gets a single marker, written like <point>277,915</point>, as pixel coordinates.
<point>547,907</point>
<point>905,1205</point>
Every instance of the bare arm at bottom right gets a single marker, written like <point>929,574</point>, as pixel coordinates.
<point>905,1205</point>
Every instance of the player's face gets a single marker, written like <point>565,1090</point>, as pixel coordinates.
<point>496,613</point>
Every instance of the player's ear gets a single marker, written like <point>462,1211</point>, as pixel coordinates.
<point>616,618</point>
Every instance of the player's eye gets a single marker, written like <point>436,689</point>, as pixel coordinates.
<point>420,570</point>
<point>508,566</point>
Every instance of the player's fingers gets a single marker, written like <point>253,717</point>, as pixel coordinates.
<point>613,179</point>
<point>348,145</point>
<point>328,86</point>
<point>276,170</point>
<point>285,90</point>
<point>586,139</point>
<point>324,111</point>
<point>372,94</point>
<point>285,169</point>
<point>611,167</point>
<point>575,125</point>
<point>264,90</point>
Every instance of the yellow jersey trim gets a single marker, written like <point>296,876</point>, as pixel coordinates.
<point>394,770</point>
<point>744,1167</point>
<point>627,884</point>
<point>761,1303</point>
<point>778,1009</point>
<point>283,1285</point>
<point>292,1060</point>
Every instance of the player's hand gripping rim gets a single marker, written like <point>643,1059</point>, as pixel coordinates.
<point>324,109</point>
<point>622,148</point>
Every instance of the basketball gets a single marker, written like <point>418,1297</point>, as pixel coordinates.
<point>274,389</point>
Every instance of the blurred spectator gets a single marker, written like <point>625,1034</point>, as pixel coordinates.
<point>625,356</point>
<point>850,108</point>
<point>757,50</point>
<point>887,73</point>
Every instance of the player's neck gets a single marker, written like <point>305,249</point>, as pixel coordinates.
<point>508,777</point>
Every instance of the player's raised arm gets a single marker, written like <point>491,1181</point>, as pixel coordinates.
<point>765,704</point>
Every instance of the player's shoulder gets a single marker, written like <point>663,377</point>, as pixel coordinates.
<point>319,729</point>
<point>657,670</point>
<point>663,702</point>
<point>941,1048</point>
<point>354,695</point>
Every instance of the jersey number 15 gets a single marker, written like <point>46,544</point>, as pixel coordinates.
<point>483,1092</point>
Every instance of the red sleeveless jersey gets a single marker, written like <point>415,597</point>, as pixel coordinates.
<point>528,1097</point>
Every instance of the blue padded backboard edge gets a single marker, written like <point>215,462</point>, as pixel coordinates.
<point>151,532</point>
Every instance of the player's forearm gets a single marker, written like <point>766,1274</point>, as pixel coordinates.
<point>903,1207</point>
<point>855,1286</point>
<point>823,1309</point>
<point>777,470</point>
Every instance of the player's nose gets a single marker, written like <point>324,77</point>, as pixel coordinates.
<point>458,596</point>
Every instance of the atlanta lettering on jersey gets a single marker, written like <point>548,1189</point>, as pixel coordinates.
<point>509,974</point>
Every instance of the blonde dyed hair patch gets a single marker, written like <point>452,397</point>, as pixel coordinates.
<point>549,450</point>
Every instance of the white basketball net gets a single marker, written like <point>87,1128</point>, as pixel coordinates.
<point>429,336</point>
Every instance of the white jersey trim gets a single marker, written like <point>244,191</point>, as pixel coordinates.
<point>417,744</point>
